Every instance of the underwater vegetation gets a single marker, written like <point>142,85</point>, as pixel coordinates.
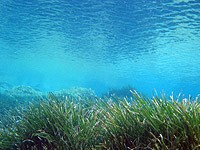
<point>76,93</point>
<point>119,92</point>
<point>143,123</point>
<point>17,96</point>
<point>20,96</point>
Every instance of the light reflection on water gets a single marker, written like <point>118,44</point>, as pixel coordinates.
<point>59,44</point>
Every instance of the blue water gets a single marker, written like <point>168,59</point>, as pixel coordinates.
<point>101,44</point>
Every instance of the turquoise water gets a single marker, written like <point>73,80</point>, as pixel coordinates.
<point>101,44</point>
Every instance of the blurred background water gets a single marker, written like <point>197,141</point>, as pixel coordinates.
<point>101,44</point>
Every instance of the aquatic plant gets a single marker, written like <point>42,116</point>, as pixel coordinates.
<point>76,93</point>
<point>143,123</point>
<point>54,124</point>
<point>21,96</point>
<point>155,123</point>
<point>119,92</point>
<point>18,96</point>
<point>4,86</point>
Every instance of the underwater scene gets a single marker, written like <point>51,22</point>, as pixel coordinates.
<point>100,74</point>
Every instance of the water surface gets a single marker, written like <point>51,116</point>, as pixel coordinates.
<point>101,44</point>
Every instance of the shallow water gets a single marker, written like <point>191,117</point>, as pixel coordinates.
<point>101,44</point>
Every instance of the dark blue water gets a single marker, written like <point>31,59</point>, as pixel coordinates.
<point>101,44</point>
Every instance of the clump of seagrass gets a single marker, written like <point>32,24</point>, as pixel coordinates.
<point>55,124</point>
<point>139,123</point>
<point>155,123</point>
<point>119,93</point>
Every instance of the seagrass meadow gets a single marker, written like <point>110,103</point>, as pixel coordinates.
<point>113,123</point>
<point>81,75</point>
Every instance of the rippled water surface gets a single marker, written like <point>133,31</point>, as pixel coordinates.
<point>101,44</point>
